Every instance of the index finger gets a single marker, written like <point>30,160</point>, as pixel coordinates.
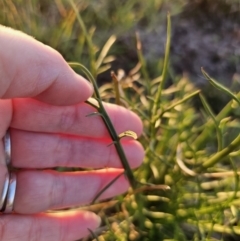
<point>35,116</point>
<point>29,68</point>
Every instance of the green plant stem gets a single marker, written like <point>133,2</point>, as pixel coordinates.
<point>216,123</point>
<point>109,125</point>
<point>236,177</point>
<point>201,139</point>
<point>165,65</point>
<point>220,87</point>
<point>221,154</point>
<point>143,64</point>
<point>180,101</point>
<point>158,96</point>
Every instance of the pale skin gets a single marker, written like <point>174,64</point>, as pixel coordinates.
<point>42,101</point>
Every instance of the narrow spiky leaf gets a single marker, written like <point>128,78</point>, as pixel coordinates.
<point>131,134</point>
<point>112,143</point>
<point>220,86</point>
<point>94,114</point>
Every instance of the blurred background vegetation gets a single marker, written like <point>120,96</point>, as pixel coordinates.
<point>205,33</point>
<point>191,139</point>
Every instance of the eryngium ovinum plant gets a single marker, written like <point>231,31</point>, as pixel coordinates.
<point>187,187</point>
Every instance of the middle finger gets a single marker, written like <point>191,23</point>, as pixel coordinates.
<point>44,150</point>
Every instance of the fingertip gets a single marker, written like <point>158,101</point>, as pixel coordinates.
<point>139,124</point>
<point>134,152</point>
<point>124,119</point>
<point>93,219</point>
<point>88,220</point>
<point>74,224</point>
<point>139,155</point>
<point>69,88</point>
<point>86,224</point>
<point>38,71</point>
<point>87,86</point>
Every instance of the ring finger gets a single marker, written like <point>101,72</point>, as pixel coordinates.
<point>38,191</point>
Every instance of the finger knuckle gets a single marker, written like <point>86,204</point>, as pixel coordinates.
<point>68,118</point>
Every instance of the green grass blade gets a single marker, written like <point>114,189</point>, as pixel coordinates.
<point>200,140</point>
<point>143,64</point>
<point>236,177</point>
<point>220,87</point>
<point>221,154</point>
<point>87,36</point>
<point>216,123</point>
<point>165,66</point>
<point>105,51</point>
<point>182,100</point>
<point>158,96</point>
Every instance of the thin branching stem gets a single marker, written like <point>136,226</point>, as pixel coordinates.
<point>200,140</point>
<point>223,153</point>
<point>109,125</point>
<point>209,126</point>
<point>220,87</point>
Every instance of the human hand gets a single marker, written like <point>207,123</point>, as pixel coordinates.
<point>42,102</point>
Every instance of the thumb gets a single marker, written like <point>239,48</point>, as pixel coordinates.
<point>29,68</point>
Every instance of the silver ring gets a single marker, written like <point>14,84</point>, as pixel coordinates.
<point>7,147</point>
<point>4,192</point>
<point>11,193</point>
